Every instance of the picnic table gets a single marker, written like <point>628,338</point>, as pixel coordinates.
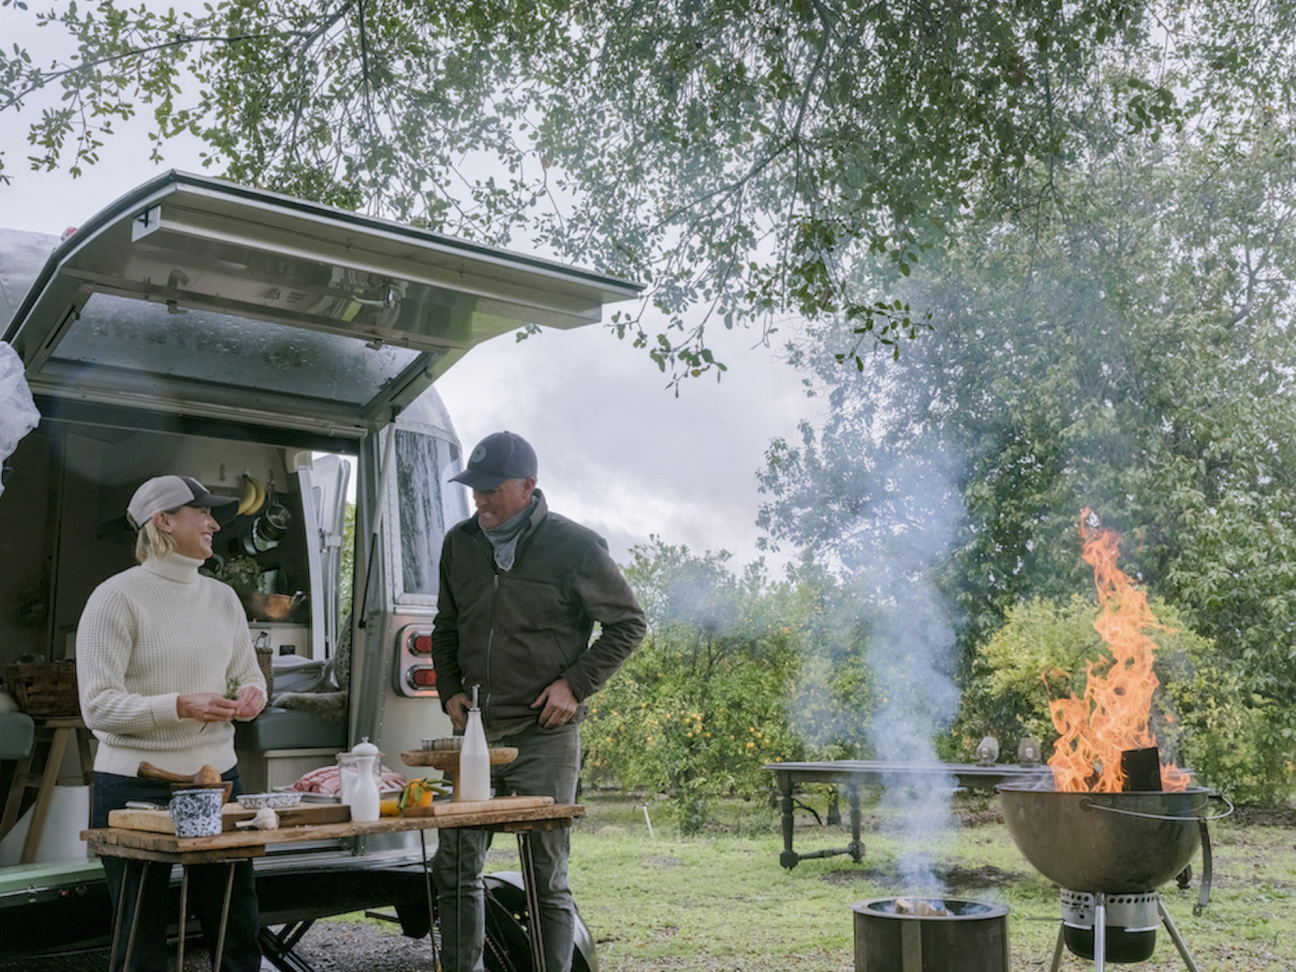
<point>851,774</point>
<point>519,815</point>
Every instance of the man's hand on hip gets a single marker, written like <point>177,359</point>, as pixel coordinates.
<point>559,705</point>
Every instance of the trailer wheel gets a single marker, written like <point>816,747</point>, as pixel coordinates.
<point>508,943</point>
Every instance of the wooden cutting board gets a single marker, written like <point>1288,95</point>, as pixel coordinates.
<point>448,808</point>
<point>159,821</point>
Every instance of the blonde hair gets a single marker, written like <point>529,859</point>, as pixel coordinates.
<point>152,542</point>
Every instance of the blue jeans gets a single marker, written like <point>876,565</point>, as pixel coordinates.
<point>547,764</point>
<point>206,888</point>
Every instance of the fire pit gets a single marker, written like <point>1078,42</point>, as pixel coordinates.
<point>1109,852</point>
<point>930,935</point>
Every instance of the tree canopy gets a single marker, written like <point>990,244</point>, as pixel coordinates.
<point>1133,355</point>
<point>742,158</point>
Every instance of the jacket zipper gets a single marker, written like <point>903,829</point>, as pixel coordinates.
<point>490,642</point>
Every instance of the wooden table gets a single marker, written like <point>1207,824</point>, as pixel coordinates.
<point>504,814</point>
<point>854,773</point>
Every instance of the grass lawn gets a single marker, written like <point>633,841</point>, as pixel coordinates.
<point>722,902</point>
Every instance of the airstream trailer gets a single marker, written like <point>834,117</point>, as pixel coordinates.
<point>282,352</point>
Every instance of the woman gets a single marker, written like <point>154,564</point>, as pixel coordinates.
<point>165,664</point>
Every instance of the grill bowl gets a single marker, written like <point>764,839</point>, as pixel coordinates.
<point>1090,842</point>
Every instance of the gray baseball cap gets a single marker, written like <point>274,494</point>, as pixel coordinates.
<point>171,492</point>
<point>498,457</point>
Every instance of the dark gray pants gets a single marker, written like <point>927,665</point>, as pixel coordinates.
<point>548,764</point>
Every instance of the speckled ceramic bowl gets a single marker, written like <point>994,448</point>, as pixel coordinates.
<point>197,813</point>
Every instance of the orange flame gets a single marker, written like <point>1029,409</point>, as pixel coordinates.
<point>1112,715</point>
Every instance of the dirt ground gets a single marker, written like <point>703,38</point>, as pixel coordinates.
<point>330,946</point>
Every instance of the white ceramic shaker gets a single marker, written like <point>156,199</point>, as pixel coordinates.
<point>364,797</point>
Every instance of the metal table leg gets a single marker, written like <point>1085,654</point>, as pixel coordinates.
<point>182,921</point>
<point>224,919</point>
<point>856,848</point>
<point>527,861</point>
<point>117,923</point>
<point>427,890</point>
<point>135,915</point>
<point>789,857</point>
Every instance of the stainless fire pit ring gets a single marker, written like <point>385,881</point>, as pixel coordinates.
<point>972,936</point>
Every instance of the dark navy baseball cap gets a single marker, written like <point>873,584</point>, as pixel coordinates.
<point>499,457</point>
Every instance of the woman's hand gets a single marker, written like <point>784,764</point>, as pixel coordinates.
<point>206,707</point>
<point>251,700</point>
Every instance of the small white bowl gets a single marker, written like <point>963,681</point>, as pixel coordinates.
<point>275,801</point>
<point>444,744</point>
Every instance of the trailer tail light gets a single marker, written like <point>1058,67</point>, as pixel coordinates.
<point>414,674</point>
<point>422,677</point>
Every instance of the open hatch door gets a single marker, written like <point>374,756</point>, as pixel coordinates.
<point>197,297</point>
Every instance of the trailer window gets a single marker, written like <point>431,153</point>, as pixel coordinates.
<point>125,342</point>
<point>428,506</point>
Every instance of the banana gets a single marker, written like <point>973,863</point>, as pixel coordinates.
<point>260,495</point>
<point>246,497</point>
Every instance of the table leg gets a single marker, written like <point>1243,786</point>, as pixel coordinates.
<point>83,754</point>
<point>135,914</point>
<point>224,918</point>
<point>44,796</point>
<point>183,919</point>
<point>856,849</point>
<point>527,860</point>
<point>789,857</point>
<point>116,933</point>
<point>16,788</point>
<point>427,891</point>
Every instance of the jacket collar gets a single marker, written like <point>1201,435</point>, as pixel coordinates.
<point>538,512</point>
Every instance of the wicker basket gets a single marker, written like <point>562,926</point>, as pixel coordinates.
<point>265,659</point>
<point>45,689</point>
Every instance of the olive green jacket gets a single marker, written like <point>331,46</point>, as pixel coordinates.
<point>515,632</point>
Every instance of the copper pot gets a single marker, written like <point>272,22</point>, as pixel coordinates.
<point>275,607</point>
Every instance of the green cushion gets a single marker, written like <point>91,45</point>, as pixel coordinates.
<point>16,733</point>
<point>277,728</point>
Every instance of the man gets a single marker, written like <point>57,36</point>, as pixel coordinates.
<point>520,591</point>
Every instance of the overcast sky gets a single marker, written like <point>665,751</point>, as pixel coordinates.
<point>618,451</point>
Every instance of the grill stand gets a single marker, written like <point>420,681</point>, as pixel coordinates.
<point>1100,937</point>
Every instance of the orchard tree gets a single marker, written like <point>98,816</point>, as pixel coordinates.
<point>1134,357</point>
<point>742,158</point>
<point>737,671</point>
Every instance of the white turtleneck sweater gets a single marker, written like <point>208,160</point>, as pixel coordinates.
<point>147,636</point>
